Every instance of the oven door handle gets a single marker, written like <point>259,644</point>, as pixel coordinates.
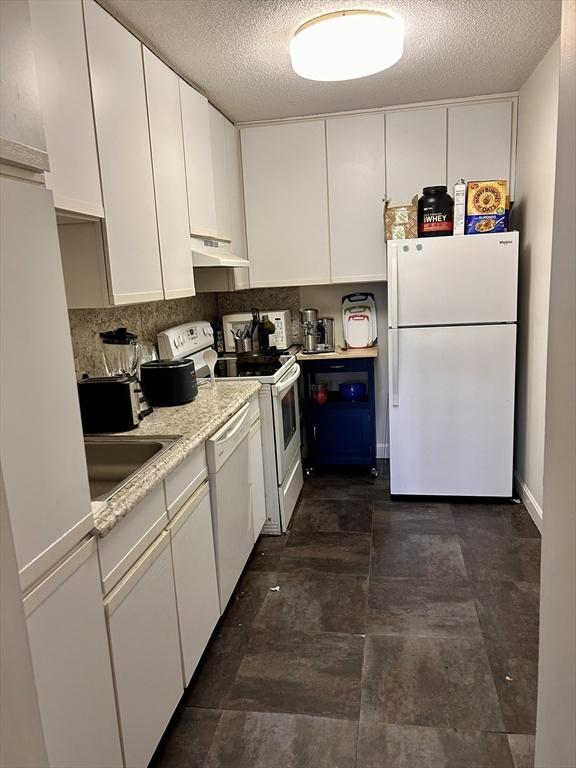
<point>287,381</point>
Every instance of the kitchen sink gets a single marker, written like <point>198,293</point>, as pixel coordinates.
<point>114,461</point>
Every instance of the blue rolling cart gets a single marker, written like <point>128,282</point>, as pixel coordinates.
<point>339,432</point>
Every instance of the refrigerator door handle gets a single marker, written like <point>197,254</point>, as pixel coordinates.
<point>393,287</point>
<point>394,340</point>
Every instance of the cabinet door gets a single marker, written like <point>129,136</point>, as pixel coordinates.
<point>356,188</point>
<point>341,435</point>
<point>163,98</point>
<point>41,445</point>
<point>479,141</point>
<point>64,89</point>
<point>285,191</point>
<point>195,577</point>
<point>115,59</point>
<point>72,668</point>
<point>220,172</point>
<point>198,154</point>
<point>236,197</point>
<point>257,493</point>
<point>415,151</point>
<point>145,644</point>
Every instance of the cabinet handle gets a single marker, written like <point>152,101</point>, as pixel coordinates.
<point>335,367</point>
<point>314,433</point>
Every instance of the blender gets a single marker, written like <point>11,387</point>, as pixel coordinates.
<point>122,357</point>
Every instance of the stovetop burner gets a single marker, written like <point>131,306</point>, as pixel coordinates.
<point>245,366</point>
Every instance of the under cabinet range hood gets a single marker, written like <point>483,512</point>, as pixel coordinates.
<point>209,252</point>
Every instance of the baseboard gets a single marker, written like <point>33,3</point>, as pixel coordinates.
<point>534,509</point>
<point>382,451</point>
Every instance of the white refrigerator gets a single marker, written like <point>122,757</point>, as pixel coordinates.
<point>452,306</point>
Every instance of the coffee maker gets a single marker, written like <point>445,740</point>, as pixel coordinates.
<point>318,332</point>
<point>325,334</point>
<point>309,320</point>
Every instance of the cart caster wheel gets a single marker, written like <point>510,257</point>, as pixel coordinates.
<point>374,472</point>
<point>308,471</point>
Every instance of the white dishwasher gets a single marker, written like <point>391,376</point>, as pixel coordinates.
<point>227,454</point>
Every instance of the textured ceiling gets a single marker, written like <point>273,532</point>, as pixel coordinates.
<point>236,51</point>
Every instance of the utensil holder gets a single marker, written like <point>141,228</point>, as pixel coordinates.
<point>243,345</point>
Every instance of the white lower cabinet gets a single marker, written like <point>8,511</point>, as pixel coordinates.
<point>71,660</point>
<point>257,492</point>
<point>195,577</point>
<point>144,640</point>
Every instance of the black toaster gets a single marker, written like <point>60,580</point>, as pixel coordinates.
<point>109,404</point>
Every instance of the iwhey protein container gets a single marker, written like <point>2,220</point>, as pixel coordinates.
<point>435,212</point>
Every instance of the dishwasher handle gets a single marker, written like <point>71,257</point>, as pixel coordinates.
<point>221,445</point>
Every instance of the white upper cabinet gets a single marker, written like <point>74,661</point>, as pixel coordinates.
<point>479,141</point>
<point>64,89</point>
<point>236,192</point>
<point>198,154</point>
<point>220,172</point>
<point>415,151</point>
<point>356,188</point>
<point>285,191</point>
<point>118,91</point>
<point>163,96</point>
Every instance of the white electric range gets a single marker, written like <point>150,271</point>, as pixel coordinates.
<point>279,411</point>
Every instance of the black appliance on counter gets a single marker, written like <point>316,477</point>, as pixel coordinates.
<point>169,382</point>
<point>109,404</point>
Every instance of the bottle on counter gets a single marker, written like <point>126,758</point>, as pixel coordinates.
<point>265,329</point>
<point>435,212</point>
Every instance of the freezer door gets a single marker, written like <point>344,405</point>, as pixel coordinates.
<point>452,410</point>
<point>453,280</point>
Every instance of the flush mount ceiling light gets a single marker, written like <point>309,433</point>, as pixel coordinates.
<point>347,45</point>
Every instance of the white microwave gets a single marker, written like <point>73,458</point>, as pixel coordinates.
<point>282,319</point>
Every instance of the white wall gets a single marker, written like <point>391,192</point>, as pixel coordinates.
<point>533,216</point>
<point>556,721</point>
<point>327,299</point>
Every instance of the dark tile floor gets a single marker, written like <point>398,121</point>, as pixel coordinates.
<point>404,634</point>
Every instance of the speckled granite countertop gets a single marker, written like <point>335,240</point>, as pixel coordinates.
<point>195,422</point>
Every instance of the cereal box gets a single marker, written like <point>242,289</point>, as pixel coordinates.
<point>401,220</point>
<point>486,207</point>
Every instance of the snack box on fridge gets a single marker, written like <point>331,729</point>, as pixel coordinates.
<point>486,207</point>
<point>401,220</point>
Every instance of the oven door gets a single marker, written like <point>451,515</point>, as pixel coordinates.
<point>286,420</point>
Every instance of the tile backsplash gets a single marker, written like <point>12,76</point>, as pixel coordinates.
<point>145,320</point>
